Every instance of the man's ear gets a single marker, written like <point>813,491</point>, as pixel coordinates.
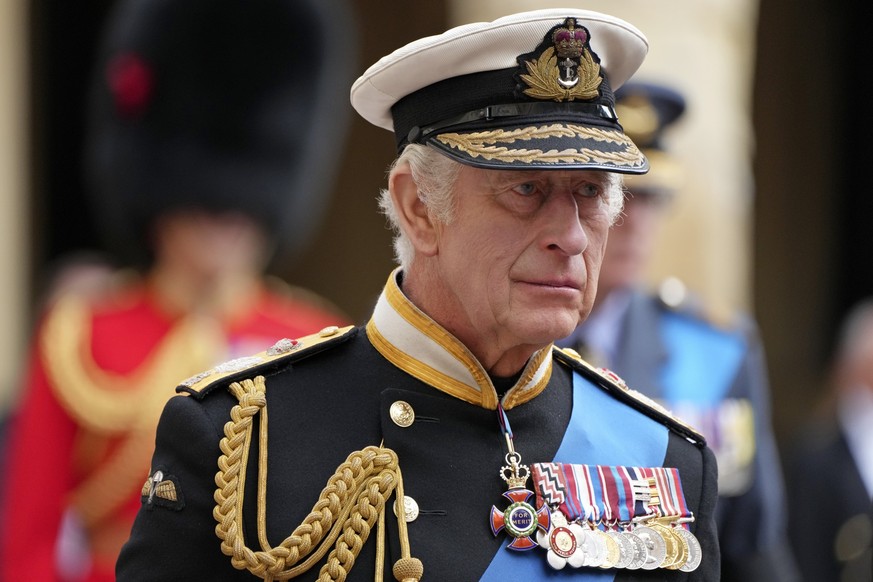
<point>415,220</point>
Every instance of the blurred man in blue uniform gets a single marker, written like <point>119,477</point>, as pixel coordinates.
<point>707,369</point>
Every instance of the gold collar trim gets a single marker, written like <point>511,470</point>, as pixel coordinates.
<point>418,345</point>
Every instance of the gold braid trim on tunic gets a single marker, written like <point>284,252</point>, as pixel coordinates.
<point>117,406</point>
<point>351,503</point>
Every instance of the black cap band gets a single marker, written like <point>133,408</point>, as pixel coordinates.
<point>491,112</point>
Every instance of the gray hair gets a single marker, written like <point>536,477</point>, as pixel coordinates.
<point>435,175</point>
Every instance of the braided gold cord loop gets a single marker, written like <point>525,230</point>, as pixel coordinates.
<point>356,530</point>
<point>344,515</point>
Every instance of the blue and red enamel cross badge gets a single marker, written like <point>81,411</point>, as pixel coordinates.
<point>521,519</point>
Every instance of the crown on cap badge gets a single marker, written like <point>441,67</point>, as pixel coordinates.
<point>570,41</point>
<point>566,68</point>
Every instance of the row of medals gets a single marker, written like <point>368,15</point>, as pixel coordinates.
<point>647,545</point>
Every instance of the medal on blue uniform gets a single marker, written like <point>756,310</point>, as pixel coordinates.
<point>521,520</point>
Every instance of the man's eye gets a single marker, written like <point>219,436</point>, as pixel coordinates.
<point>590,190</point>
<point>525,189</point>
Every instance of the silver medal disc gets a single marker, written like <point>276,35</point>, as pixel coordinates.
<point>613,550</point>
<point>655,544</point>
<point>625,549</point>
<point>598,556</point>
<point>640,551</point>
<point>695,552</point>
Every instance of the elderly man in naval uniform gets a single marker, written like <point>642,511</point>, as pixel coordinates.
<point>448,439</point>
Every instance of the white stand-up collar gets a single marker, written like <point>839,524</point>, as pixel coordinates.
<point>419,346</point>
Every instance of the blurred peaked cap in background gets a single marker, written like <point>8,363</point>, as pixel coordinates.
<point>529,90</point>
<point>218,104</point>
<point>648,110</point>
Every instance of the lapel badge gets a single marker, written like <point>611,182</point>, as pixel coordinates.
<point>564,68</point>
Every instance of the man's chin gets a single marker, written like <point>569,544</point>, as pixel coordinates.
<point>550,329</point>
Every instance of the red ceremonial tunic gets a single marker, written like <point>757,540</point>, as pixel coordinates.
<point>80,447</point>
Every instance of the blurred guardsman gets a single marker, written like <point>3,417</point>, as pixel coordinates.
<point>452,399</point>
<point>707,369</point>
<point>832,460</point>
<point>199,126</point>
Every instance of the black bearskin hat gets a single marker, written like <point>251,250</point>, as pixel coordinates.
<point>221,105</point>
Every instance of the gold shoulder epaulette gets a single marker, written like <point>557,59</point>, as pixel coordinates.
<point>613,383</point>
<point>283,351</point>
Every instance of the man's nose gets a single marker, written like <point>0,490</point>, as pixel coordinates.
<point>563,228</point>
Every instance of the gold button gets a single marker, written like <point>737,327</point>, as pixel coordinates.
<point>329,331</point>
<point>410,508</point>
<point>402,414</point>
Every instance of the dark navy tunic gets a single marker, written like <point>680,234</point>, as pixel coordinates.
<point>334,399</point>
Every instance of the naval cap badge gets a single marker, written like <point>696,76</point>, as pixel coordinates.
<point>563,68</point>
